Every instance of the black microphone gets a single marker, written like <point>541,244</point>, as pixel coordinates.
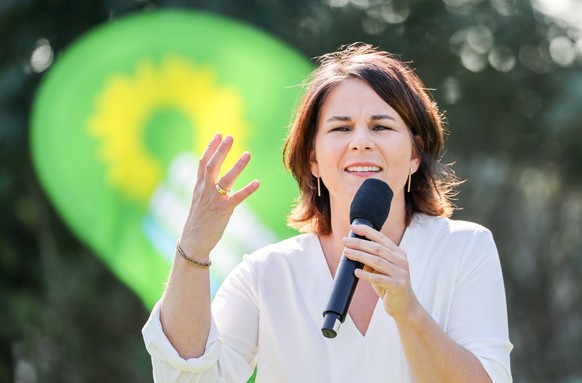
<point>370,207</point>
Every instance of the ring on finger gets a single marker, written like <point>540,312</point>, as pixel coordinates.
<point>220,190</point>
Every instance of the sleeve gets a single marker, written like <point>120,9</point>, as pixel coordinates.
<point>230,354</point>
<point>478,316</point>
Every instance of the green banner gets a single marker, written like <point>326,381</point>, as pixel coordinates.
<point>123,115</point>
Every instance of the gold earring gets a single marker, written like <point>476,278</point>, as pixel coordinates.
<point>318,187</point>
<point>409,178</point>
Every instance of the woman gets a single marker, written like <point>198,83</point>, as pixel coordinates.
<point>430,305</point>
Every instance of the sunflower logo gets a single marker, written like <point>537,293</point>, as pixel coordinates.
<point>143,119</point>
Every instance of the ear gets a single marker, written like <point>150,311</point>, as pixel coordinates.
<point>313,164</point>
<point>417,148</point>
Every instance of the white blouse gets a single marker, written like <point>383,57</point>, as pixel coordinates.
<point>268,313</point>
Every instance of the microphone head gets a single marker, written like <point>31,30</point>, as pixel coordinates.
<point>372,202</point>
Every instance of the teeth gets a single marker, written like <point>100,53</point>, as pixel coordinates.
<point>363,169</point>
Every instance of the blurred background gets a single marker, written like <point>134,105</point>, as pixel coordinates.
<point>506,73</point>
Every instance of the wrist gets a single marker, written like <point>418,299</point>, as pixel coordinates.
<point>414,319</point>
<point>200,263</point>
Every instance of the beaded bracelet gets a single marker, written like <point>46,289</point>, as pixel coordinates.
<point>202,265</point>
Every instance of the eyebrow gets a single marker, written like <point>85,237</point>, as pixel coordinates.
<point>382,117</point>
<point>375,117</point>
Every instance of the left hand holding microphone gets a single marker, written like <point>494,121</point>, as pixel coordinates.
<point>385,267</point>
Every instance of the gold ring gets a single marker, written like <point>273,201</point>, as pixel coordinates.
<point>221,191</point>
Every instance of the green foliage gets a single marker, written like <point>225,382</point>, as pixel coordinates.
<point>507,78</point>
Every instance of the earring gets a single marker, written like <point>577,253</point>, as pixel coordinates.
<point>409,178</point>
<point>318,187</point>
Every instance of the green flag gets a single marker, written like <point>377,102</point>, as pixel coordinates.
<point>123,116</point>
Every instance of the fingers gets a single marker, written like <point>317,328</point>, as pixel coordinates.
<point>213,158</point>
<point>378,279</point>
<point>386,268</point>
<point>385,264</point>
<point>376,263</point>
<point>227,180</point>
<point>215,162</point>
<point>208,153</point>
<point>209,170</point>
<point>379,252</point>
<point>374,236</point>
<point>242,194</point>
<point>211,207</point>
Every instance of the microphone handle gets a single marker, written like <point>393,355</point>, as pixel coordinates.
<point>342,290</point>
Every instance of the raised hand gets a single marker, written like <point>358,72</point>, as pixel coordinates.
<point>212,201</point>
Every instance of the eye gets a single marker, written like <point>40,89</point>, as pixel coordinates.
<point>381,127</point>
<point>340,129</point>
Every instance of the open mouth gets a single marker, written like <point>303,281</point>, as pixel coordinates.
<point>363,169</point>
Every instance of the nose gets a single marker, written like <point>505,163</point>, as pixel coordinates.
<point>361,139</point>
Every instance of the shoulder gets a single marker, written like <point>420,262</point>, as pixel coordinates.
<point>447,228</point>
<point>449,241</point>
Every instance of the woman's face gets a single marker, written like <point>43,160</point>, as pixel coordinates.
<point>360,136</point>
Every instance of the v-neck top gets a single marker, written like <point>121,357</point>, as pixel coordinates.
<point>268,314</point>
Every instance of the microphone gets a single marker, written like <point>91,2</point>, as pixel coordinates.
<point>370,207</point>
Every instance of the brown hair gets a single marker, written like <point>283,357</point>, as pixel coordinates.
<point>433,184</point>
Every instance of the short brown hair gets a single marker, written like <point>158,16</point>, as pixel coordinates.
<point>433,184</point>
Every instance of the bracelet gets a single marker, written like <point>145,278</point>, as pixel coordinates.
<point>201,265</point>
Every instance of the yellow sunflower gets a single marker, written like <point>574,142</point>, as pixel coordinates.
<point>128,101</point>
